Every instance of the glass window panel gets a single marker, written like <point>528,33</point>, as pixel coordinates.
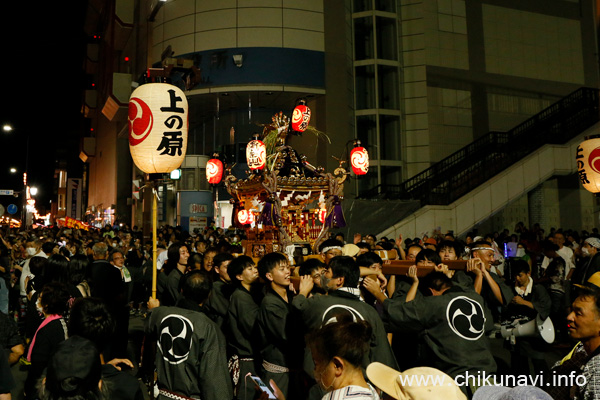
<point>366,131</point>
<point>368,181</point>
<point>386,5</point>
<point>387,47</point>
<point>365,87</point>
<point>389,139</point>
<point>388,87</point>
<point>362,5</point>
<point>188,180</point>
<point>391,175</point>
<point>363,38</point>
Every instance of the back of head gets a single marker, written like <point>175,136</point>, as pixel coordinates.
<point>343,337</point>
<point>437,281</point>
<point>345,267</point>
<point>196,286</point>
<point>78,266</point>
<point>100,250</point>
<point>54,298</point>
<point>37,266</point>
<point>90,318</point>
<point>269,262</point>
<point>58,268</point>
<point>48,247</point>
<point>517,266</point>
<point>74,372</point>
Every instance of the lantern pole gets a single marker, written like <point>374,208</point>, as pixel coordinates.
<point>153,180</point>
<point>154,239</point>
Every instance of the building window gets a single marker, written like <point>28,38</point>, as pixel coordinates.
<point>389,136</point>
<point>365,87</point>
<point>363,38</point>
<point>386,5</point>
<point>388,87</point>
<point>387,45</point>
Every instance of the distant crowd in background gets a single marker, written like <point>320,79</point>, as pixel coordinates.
<point>220,317</point>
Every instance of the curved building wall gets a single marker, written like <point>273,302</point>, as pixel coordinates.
<point>281,41</point>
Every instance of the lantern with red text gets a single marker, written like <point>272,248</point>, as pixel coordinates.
<point>359,159</point>
<point>300,117</point>
<point>256,154</point>
<point>245,217</point>
<point>214,171</point>
<point>158,127</point>
<point>588,163</point>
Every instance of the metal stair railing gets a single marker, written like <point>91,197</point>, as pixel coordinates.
<point>462,171</point>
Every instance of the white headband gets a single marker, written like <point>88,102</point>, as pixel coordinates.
<point>326,249</point>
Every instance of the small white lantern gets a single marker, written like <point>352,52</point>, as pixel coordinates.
<point>158,127</point>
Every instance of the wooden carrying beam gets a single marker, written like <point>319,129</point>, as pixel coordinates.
<point>400,267</point>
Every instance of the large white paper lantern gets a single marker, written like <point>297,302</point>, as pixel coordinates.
<point>158,127</point>
<point>256,154</point>
<point>588,163</point>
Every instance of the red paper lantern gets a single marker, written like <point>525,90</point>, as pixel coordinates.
<point>359,159</point>
<point>214,171</point>
<point>300,118</point>
<point>245,217</point>
<point>256,154</point>
<point>322,213</point>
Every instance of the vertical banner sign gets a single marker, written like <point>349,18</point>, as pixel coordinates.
<point>158,127</point>
<point>74,198</point>
<point>588,163</point>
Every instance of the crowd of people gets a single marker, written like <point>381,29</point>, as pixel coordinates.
<point>82,317</point>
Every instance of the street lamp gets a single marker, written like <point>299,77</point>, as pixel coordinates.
<point>7,128</point>
<point>33,191</point>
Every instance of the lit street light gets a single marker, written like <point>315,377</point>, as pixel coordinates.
<point>7,128</point>
<point>13,170</point>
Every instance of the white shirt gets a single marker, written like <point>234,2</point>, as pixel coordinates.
<point>27,273</point>
<point>567,254</point>
<point>352,392</point>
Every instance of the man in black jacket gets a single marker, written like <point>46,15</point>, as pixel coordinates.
<point>191,359</point>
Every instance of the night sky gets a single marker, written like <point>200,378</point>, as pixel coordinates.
<point>42,81</point>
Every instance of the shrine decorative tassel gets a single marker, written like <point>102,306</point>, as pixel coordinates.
<point>335,216</point>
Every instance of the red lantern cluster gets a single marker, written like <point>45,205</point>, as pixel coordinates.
<point>359,160</point>
<point>256,154</point>
<point>214,171</point>
<point>300,118</point>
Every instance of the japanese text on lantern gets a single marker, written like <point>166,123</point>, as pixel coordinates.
<point>581,166</point>
<point>172,140</point>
